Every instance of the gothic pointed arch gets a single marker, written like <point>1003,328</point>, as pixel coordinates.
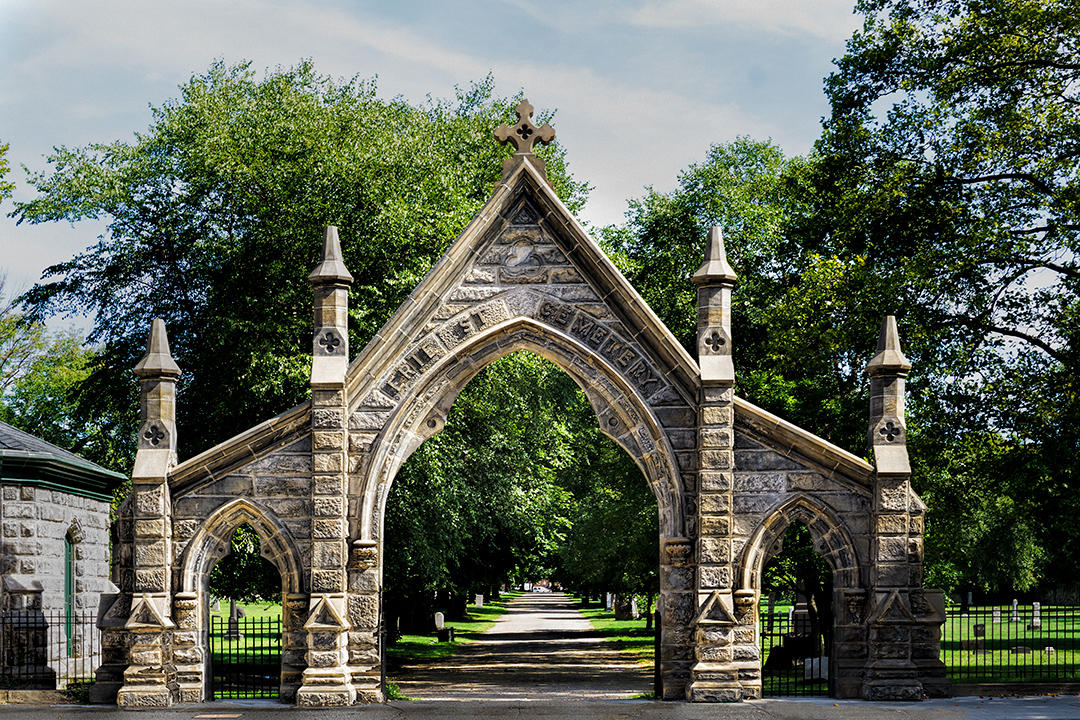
<point>831,539</point>
<point>211,543</point>
<point>622,413</point>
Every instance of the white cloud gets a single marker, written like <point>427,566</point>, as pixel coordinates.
<point>825,19</point>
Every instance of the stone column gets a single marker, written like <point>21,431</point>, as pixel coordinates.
<point>726,656</point>
<point>326,680</point>
<point>147,677</point>
<point>890,673</point>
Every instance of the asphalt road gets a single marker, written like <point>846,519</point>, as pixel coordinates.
<point>541,649</point>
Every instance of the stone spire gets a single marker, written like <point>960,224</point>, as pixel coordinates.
<point>330,343</point>
<point>331,269</point>
<point>524,136</point>
<point>714,281</point>
<point>157,373</point>
<point>327,679</point>
<point>888,371</point>
<point>149,620</point>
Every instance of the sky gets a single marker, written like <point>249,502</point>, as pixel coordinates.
<point>641,88</point>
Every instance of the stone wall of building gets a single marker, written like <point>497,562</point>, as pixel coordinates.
<point>34,523</point>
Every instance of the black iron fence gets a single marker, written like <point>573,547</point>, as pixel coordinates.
<point>1028,643</point>
<point>245,657</point>
<point>48,650</point>
<point>793,657</point>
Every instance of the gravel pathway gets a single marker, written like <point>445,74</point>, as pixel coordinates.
<point>541,649</point>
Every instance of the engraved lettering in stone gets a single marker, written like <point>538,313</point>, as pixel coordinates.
<point>557,315</point>
<point>590,331</point>
<point>642,376</point>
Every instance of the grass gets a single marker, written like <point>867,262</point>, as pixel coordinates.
<point>410,649</point>
<point>628,635</point>
<point>992,660</point>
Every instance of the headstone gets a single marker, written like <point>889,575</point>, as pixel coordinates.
<point>800,619</point>
<point>1020,650</point>
<point>816,668</point>
<point>232,631</point>
<point>979,630</point>
<point>609,601</point>
<point>440,621</point>
<point>1036,616</point>
<point>479,600</point>
<point>1015,617</point>
<point>969,602</point>
<point>215,605</point>
<point>997,616</point>
<point>1049,650</point>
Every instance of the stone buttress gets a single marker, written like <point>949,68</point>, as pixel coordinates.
<point>149,623</point>
<point>327,680</point>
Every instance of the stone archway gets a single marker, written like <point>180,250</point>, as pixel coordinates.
<point>621,412</point>
<point>191,603</point>
<point>728,476</point>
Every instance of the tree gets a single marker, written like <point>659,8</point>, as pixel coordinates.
<point>949,168</point>
<point>244,575</point>
<point>7,188</point>
<point>214,215</point>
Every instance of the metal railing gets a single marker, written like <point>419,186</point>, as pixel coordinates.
<point>791,657</point>
<point>1033,644</point>
<point>48,650</point>
<point>245,657</point>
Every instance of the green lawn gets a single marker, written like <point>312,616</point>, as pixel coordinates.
<point>422,648</point>
<point>991,658</point>
<point>628,635</point>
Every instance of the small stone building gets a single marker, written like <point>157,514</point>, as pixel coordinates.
<point>54,555</point>
<point>728,476</point>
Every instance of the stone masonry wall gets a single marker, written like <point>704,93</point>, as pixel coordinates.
<point>34,523</point>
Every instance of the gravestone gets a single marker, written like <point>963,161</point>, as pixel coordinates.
<point>440,621</point>
<point>997,616</point>
<point>1020,650</point>
<point>1036,617</point>
<point>215,605</point>
<point>479,600</point>
<point>1049,650</point>
<point>1015,617</point>
<point>816,668</point>
<point>235,614</point>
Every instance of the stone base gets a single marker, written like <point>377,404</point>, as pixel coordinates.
<point>103,692</point>
<point>325,696</point>
<point>893,690</point>
<point>133,697</point>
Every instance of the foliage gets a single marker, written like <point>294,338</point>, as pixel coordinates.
<point>7,188</point>
<point>943,190</point>
<point>214,218</point>
<point>950,165</point>
<point>491,499</point>
<point>244,575</point>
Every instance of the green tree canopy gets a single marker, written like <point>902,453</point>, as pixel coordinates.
<point>214,217</point>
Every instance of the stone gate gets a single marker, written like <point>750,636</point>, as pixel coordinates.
<point>729,478</point>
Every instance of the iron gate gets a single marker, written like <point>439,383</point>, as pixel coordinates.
<point>245,657</point>
<point>791,657</point>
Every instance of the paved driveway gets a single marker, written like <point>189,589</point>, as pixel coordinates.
<point>543,648</point>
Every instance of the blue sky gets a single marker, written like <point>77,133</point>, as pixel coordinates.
<point>641,88</point>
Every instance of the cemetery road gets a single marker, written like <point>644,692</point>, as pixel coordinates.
<point>541,649</point>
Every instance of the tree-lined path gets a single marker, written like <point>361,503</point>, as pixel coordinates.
<point>541,649</point>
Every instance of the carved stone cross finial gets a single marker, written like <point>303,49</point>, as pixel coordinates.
<point>524,135</point>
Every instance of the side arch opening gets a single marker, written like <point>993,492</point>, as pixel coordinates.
<point>237,652</point>
<point>803,566</point>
